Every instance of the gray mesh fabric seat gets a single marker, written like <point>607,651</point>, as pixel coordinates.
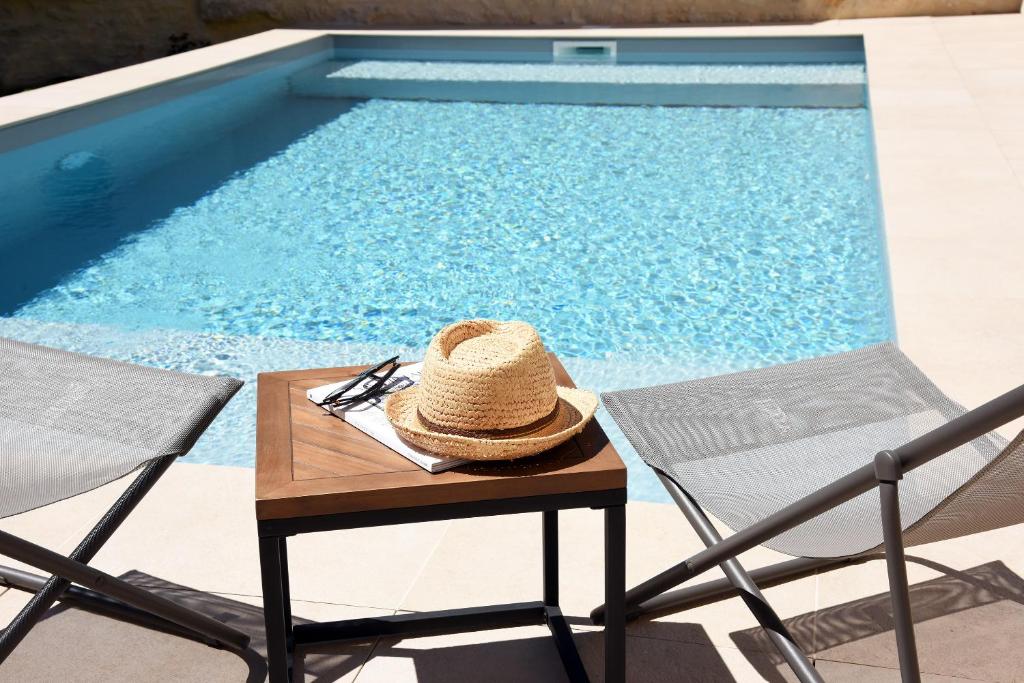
<point>70,423</point>
<point>748,444</point>
<point>786,457</point>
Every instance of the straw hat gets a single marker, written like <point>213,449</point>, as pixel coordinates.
<point>488,393</point>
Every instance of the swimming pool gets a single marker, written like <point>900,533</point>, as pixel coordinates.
<point>259,225</point>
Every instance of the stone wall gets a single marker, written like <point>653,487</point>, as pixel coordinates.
<point>44,41</point>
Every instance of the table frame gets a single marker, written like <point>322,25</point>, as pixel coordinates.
<point>283,636</point>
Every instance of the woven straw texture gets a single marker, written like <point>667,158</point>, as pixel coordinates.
<point>748,444</point>
<point>70,423</point>
<point>488,392</point>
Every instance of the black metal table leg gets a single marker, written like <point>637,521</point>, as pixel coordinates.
<point>286,589</point>
<point>276,610</point>
<point>283,637</point>
<point>550,539</point>
<point>615,594</point>
<point>553,616</point>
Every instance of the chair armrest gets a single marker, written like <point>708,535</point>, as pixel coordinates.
<point>961,430</point>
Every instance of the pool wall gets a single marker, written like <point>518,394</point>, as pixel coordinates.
<point>876,189</point>
<point>843,49</point>
<point>701,84</point>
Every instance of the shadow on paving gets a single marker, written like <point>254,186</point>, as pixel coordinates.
<point>672,652</point>
<point>76,645</point>
<point>968,624</point>
<point>72,644</point>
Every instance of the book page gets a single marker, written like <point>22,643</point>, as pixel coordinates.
<point>369,417</point>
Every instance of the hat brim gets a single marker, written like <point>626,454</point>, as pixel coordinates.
<point>575,408</point>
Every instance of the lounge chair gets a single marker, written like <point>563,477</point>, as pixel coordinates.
<point>789,457</point>
<point>70,423</point>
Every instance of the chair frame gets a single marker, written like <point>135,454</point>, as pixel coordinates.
<point>885,472</point>
<point>102,592</point>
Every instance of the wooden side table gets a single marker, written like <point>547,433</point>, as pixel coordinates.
<point>316,473</point>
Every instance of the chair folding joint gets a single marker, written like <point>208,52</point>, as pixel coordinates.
<point>888,466</point>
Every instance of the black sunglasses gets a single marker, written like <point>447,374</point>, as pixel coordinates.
<point>376,386</point>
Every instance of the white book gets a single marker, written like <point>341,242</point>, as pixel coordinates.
<point>369,417</point>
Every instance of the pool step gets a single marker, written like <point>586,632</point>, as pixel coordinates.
<point>759,85</point>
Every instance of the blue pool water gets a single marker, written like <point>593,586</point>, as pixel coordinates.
<point>647,244</point>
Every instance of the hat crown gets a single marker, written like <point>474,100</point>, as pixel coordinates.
<point>481,375</point>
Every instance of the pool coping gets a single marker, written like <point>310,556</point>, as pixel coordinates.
<point>950,159</point>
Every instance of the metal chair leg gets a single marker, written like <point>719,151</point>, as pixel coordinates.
<point>66,569</point>
<point>748,590</point>
<point>707,592</point>
<point>101,582</point>
<point>887,467</point>
<point>97,603</point>
<point>44,598</point>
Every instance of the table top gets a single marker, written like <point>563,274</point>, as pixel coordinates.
<point>311,463</point>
